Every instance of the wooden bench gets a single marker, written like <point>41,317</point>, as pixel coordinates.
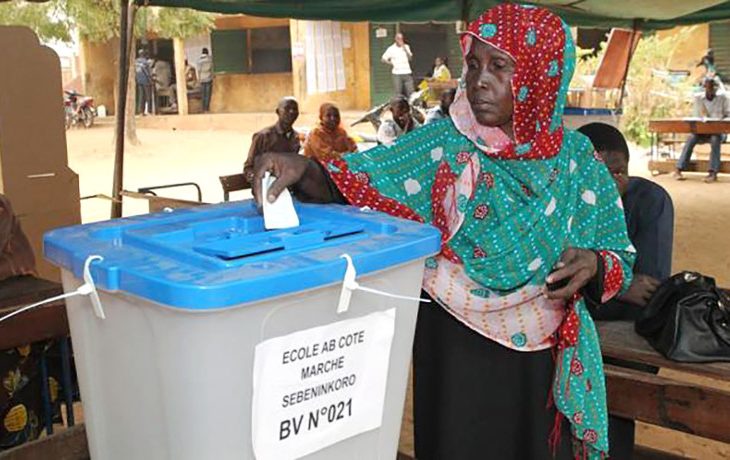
<point>233,183</point>
<point>662,401</point>
<point>666,166</point>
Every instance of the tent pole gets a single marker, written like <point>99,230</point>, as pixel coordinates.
<point>121,110</point>
<point>632,48</point>
<point>465,7</point>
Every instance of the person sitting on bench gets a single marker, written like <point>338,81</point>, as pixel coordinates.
<point>21,404</point>
<point>710,104</point>
<point>280,137</point>
<point>650,224</point>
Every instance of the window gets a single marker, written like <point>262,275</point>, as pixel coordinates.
<point>229,50</point>
<point>263,50</point>
<point>270,50</point>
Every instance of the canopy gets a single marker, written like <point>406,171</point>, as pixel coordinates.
<point>642,14</point>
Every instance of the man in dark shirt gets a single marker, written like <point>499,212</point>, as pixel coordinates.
<point>650,224</point>
<point>279,138</point>
<point>649,221</point>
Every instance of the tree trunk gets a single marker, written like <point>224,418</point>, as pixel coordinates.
<point>129,120</point>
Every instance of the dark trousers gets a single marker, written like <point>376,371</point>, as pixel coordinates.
<point>144,98</point>
<point>475,399</point>
<point>207,93</point>
<point>714,139</point>
<point>403,84</point>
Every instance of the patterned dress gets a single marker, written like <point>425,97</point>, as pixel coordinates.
<point>507,209</point>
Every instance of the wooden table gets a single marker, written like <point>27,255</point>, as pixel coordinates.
<point>689,126</point>
<point>667,402</point>
<point>42,323</point>
<point>659,127</point>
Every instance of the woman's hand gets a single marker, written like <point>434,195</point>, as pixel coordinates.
<point>577,267</point>
<point>287,168</point>
<point>641,289</point>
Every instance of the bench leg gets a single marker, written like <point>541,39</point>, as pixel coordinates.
<point>46,395</point>
<point>67,383</point>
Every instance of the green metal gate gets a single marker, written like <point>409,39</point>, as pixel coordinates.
<point>720,43</point>
<point>381,82</point>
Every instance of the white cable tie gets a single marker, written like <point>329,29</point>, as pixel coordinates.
<point>350,284</point>
<point>89,285</point>
<point>88,288</point>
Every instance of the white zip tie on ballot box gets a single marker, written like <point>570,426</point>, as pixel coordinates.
<point>349,284</point>
<point>88,288</point>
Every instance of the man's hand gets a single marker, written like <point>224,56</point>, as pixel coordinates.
<point>641,289</point>
<point>578,267</point>
<point>287,168</point>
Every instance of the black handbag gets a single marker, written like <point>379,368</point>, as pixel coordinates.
<point>688,319</point>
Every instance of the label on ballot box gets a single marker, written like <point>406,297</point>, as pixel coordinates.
<point>317,387</point>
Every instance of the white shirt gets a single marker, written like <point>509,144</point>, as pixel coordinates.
<point>399,58</point>
<point>163,74</point>
<point>718,107</point>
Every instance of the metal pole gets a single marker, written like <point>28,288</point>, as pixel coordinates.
<point>121,111</point>
<point>635,36</point>
<point>465,8</point>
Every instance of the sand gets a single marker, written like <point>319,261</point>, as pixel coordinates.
<point>170,155</point>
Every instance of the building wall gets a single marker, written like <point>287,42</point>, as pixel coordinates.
<point>356,95</point>
<point>99,69</point>
<point>249,92</point>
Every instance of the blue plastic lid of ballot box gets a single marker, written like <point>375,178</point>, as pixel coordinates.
<point>220,255</point>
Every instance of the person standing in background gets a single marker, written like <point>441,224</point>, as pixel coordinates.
<point>205,77</point>
<point>144,80</point>
<point>399,55</point>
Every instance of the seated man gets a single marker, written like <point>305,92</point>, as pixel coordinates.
<point>710,104</point>
<point>650,224</point>
<point>279,138</point>
<point>441,111</point>
<point>402,122</point>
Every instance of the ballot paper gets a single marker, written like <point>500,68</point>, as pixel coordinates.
<point>280,213</point>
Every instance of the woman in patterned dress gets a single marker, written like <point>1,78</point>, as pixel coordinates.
<point>504,367</point>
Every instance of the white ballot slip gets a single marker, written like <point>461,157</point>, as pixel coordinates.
<point>280,213</point>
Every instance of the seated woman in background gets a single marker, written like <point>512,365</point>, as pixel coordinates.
<point>328,140</point>
<point>441,73</point>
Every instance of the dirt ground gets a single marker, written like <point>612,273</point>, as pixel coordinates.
<point>173,153</point>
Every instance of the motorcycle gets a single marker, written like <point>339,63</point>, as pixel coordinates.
<point>78,109</point>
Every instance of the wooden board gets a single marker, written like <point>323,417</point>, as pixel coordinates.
<point>42,323</point>
<point>668,403</point>
<point>668,166</point>
<point>614,63</point>
<point>689,126</point>
<point>22,290</point>
<point>619,340</point>
<point>69,444</point>
<point>36,178</point>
